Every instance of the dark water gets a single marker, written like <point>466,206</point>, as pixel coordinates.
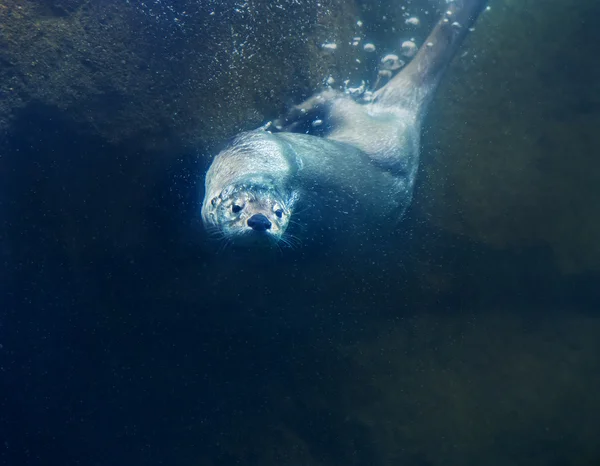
<point>125,338</point>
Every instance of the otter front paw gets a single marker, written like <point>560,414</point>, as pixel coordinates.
<point>310,113</point>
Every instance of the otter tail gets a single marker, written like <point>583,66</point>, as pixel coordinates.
<point>413,87</point>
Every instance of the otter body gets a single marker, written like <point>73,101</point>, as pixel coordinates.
<point>359,176</point>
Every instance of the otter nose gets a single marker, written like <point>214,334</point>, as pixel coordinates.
<point>259,222</point>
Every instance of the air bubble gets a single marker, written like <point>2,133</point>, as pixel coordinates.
<point>409,48</point>
<point>414,21</point>
<point>369,47</point>
<point>391,62</point>
<point>355,91</point>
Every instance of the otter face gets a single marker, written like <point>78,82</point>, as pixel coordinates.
<point>249,213</point>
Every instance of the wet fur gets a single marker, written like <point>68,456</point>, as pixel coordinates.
<point>361,174</point>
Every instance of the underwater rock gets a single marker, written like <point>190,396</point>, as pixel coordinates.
<point>444,392</point>
<point>495,389</point>
<point>510,155</point>
<point>151,71</point>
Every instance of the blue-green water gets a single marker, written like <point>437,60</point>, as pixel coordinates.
<point>470,336</point>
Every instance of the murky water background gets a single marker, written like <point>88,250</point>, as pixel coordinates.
<point>468,337</point>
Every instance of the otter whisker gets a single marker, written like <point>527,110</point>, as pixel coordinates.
<point>285,242</point>
<point>295,222</point>
<point>214,231</point>
<point>217,235</point>
<point>291,241</point>
<point>275,242</point>
<point>301,211</point>
<point>224,244</point>
<point>279,248</point>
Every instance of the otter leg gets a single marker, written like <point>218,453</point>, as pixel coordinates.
<point>414,86</point>
<point>301,117</point>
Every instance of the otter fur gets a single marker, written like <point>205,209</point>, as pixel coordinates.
<point>359,175</point>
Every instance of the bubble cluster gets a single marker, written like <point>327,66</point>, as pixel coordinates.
<point>162,11</point>
<point>389,62</point>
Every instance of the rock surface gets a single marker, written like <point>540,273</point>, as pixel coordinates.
<point>149,71</point>
<point>511,159</point>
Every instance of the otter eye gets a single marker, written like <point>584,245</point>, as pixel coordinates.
<point>236,208</point>
<point>279,213</point>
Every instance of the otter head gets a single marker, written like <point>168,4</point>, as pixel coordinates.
<point>247,213</point>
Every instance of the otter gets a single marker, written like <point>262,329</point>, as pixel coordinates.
<point>357,176</point>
